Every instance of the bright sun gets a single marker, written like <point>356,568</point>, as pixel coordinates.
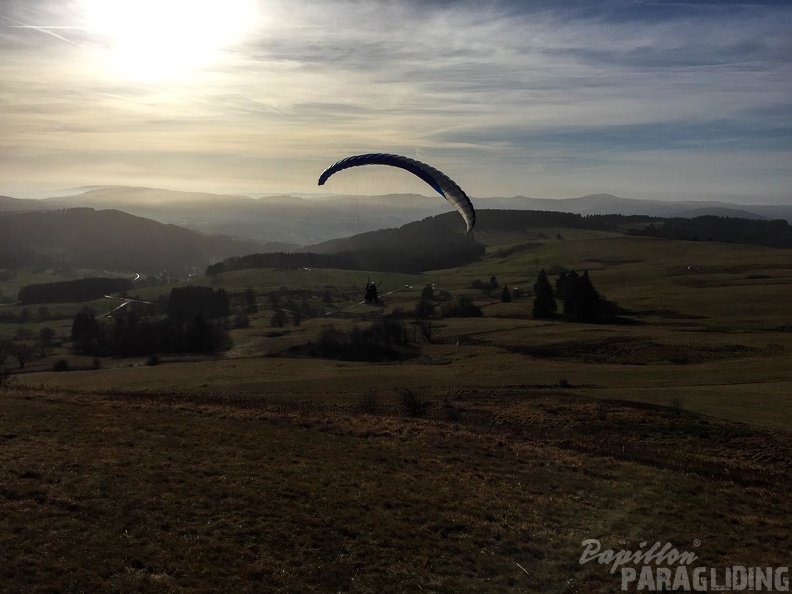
<point>159,40</point>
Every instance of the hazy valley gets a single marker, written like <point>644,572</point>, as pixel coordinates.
<point>304,221</point>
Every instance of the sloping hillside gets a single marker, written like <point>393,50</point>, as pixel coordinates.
<point>9,204</point>
<point>110,240</point>
<point>431,244</point>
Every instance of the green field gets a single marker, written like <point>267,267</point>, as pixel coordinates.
<point>256,470</point>
<point>716,338</point>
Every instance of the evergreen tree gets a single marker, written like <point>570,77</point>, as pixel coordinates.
<point>250,301</point>
<point>564,284</point>
<point>584,302</point>
<point>87,334</point>
<point>506,295</point>
<point>200,335</point>
<point>544,304</point>
<point>220,306</point>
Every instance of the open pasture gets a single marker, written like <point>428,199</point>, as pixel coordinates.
<point>715,340</point>
<point>494,491</point>
<point>258,470</point>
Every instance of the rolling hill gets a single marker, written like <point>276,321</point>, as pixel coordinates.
<point>109,240</point>
<point>306,221</point>
<point>283,218</point>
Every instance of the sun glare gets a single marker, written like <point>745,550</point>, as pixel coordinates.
<point>155,40</point>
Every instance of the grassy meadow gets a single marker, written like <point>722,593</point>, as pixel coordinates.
<point>258,470</point>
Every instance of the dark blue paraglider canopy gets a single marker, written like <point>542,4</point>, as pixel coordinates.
<point>438,180</point>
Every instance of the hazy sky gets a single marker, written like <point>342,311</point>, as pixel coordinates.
<point>551,98</point>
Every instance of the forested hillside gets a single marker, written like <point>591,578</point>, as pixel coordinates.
<point>108,240</point>
<point>434,243</point>
<point>777,233</point>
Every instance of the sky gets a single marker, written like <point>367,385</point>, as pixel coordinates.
<point>549,98</point>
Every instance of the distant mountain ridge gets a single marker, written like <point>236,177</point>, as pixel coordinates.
<point>304,221</point>
<point>9,204</point>
<point>277,218</point>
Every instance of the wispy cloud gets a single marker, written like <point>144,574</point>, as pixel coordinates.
<point>541,98</point>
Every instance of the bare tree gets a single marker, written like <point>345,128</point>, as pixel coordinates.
<point>427,326</point>
<point>23,352</point>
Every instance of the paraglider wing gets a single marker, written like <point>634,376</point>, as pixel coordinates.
<point>442,184</point>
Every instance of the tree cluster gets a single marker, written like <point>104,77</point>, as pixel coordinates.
<point>25,344</point>
<point>186,303</point>
<point>461,307</point>
<point>582,302</point>
<point>196,323</point>
<point>280,261</point>
<point>129,336</point>
<point>294,306</point>
<point>486,287</point>
<point>385,339</point>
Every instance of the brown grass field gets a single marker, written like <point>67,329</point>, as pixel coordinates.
<point>255,471</point>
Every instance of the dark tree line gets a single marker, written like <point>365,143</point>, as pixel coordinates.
<point>394,257</point>
<point>130,336</point>
<point>73,291</point>
<point>776,233</point>
<point>281,261</point>
<point>523,220</point>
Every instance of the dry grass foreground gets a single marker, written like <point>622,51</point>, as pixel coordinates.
<point>493,491</point>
